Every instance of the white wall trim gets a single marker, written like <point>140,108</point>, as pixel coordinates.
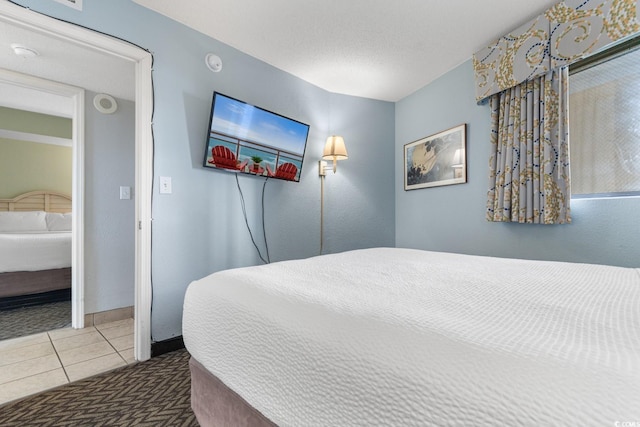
<point>144,147</point>
<point>144,186</point>
<point>35,137</point>
<point>77,206</point>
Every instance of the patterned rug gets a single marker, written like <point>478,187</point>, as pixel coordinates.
<point>152,393</point>
<point>19,322</point>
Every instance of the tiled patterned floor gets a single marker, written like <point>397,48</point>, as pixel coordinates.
<point>38,362</point>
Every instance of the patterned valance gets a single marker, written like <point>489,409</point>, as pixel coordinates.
<point>564,33</point>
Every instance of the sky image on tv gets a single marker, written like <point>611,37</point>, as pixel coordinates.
<point>248,139</point>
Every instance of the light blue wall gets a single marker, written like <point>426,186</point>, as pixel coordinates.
<point>199,228</point>
<point>109,221</point>
<point>451,218</point>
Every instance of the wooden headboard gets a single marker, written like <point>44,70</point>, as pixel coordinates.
<point>47,201</point>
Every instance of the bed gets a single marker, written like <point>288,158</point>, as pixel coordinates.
<point>35,248</point>
<point>402,337</point>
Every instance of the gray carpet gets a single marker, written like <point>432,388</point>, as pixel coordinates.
<point>19,322</point>
<point>155,393</point>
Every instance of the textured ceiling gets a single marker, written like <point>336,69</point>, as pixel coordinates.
<point>380,49</point>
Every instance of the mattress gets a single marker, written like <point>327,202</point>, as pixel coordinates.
<point>412,338</point>
<point>34,251</point>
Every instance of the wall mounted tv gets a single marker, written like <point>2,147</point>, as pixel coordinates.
<point>247,139</point>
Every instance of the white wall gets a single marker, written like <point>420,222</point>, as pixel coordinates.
<point>452,218</point>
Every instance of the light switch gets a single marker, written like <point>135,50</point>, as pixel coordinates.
<point>165,185</point>
<point>125,193</point>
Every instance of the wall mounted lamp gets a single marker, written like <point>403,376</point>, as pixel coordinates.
<point>334,149</point>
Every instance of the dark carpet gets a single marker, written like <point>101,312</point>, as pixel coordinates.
<point>19,322</point>
<point>152,393</point>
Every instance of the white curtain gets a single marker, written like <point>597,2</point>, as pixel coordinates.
<point>529,165</point>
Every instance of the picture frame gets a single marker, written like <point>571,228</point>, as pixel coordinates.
<point>436,160</point>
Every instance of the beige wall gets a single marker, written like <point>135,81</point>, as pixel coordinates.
<point>28,166</point>
<point>30,122</point>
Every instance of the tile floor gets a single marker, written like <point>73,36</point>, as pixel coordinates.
<point>35,363</point>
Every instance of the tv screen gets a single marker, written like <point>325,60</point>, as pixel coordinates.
<point>247,139</point>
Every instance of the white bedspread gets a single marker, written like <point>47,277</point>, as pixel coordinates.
<point>34,251</point>
<point>401,337</point>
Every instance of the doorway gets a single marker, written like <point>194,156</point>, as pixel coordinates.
<point>72,102</point>
<point>141,59</point>
<point>37,149</point>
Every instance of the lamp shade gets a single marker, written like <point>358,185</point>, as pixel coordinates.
<point>334,149</point>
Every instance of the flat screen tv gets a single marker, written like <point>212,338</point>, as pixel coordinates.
<point>247,139</point>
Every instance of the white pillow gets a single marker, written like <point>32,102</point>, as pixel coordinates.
<point>16,222</point>
<point>58,221</point>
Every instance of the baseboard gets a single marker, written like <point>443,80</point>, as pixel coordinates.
<point>108,316</point>
<point>161,347</point>
<point>21,301</point>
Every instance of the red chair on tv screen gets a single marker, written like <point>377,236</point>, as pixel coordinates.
<point>222,157</point>
<point>286,171</point>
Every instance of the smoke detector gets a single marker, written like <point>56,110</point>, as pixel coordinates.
<point>214,63</point>
<point>104,103</point>
<point>23,51</point>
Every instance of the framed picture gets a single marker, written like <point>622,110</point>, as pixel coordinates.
<point>436,160</point>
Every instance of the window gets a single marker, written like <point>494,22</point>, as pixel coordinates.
<point>604,122</point>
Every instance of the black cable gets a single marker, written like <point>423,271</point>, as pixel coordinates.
<point>153,167</point>
<point>79,25</point>
<point>264,229</point>
<point>246,220</point>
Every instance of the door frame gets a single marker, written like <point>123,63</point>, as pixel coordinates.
<point>76,97</point>
<point>142,60</point>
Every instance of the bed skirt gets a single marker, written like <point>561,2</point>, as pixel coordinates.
<point>32,284</point>
<point>214,404</point>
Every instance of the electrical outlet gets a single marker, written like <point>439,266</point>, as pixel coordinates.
<point>165,185</point>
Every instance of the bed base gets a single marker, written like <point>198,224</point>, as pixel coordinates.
<point>215,404</point>
<point>23,288</point>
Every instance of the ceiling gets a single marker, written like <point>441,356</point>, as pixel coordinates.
<point>368,48</point>
<point>28,99</point>
<point>61,61</point>
<point>380,49</point>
